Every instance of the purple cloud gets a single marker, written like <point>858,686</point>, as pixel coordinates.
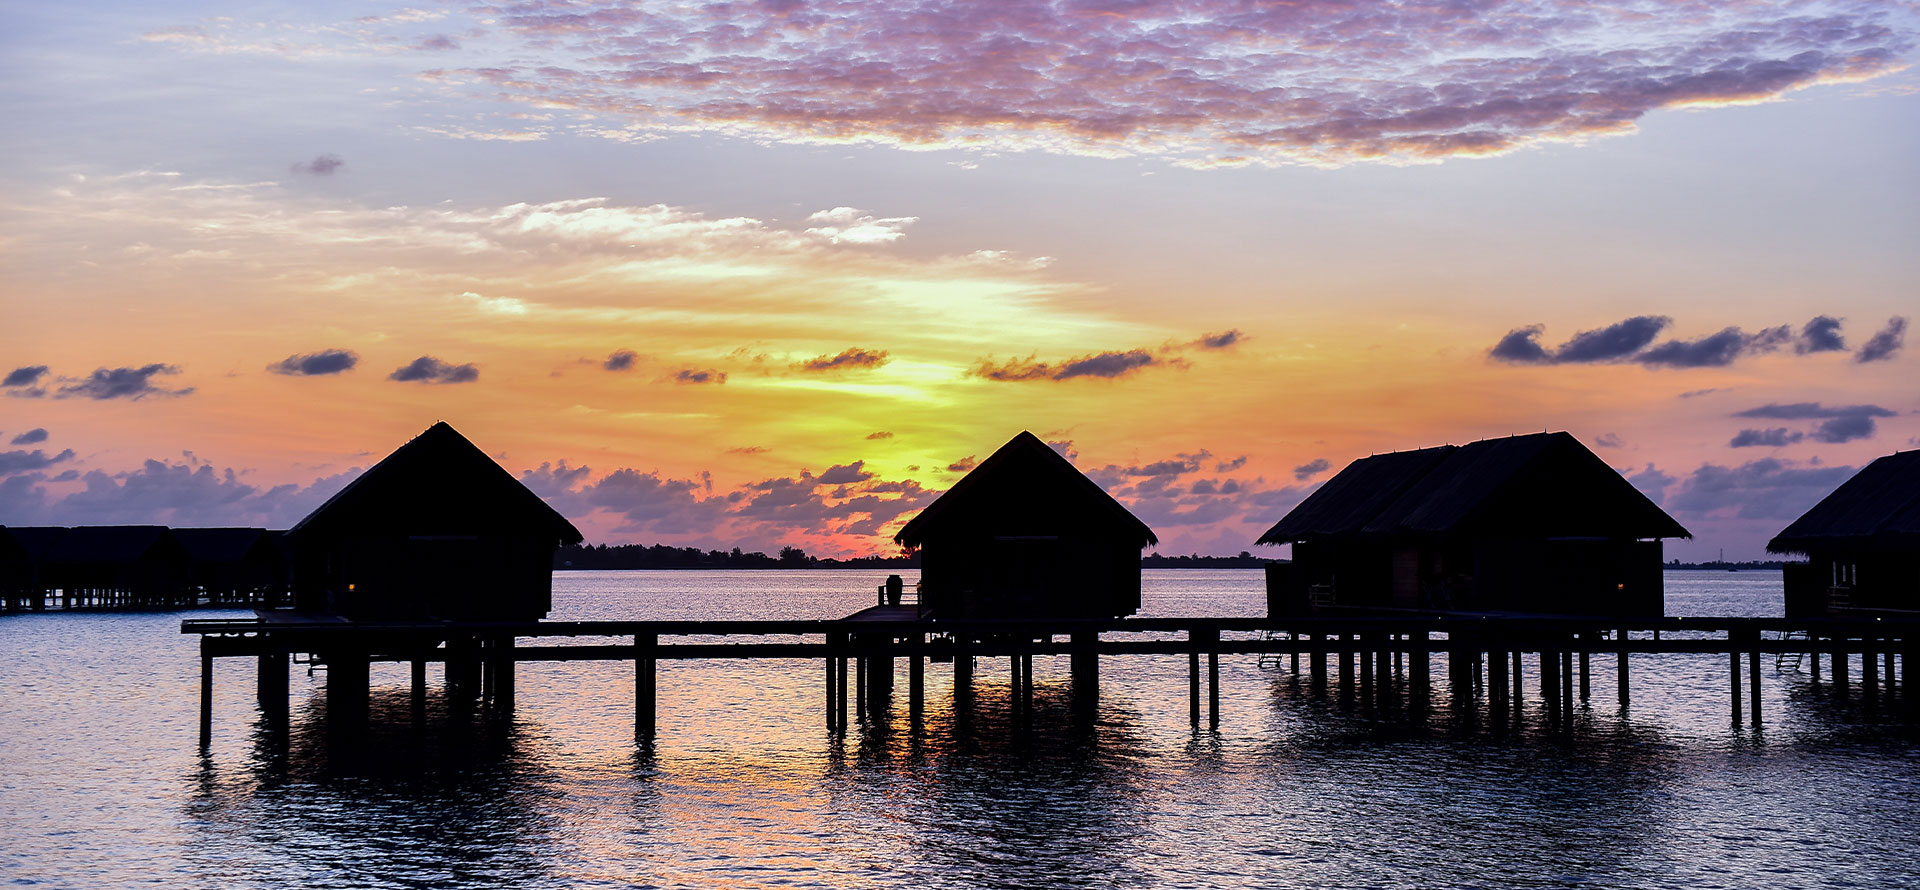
<point>427,369</point>
<point>321,165</point>
<point>1885,344</point>
<point>1213,82</point>
<point>314,364</point>
<point>133,384</point>
<point>31,437</point>
<point>620,360</point>
<point>851,358</point>
<point>689,375</point>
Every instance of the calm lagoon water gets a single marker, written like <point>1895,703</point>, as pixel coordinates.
<point>102,783</point>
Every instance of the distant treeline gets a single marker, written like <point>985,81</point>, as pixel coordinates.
<point>1720,565</point>
<point>661,556</point>
<point>1195,561</point>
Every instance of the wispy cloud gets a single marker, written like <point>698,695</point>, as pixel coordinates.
<point>1208,83</point>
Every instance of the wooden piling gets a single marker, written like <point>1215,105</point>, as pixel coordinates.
<point>206,696</point>
<point>347,689</point>
<point>1213,689</point>
<point>859,687</point>
<point>645,694</point>
<point>1085,666</point>
<point>1193,687</point>
<point>840,681</point>
<point>1620,668</point>
<point>916,681</point>
<point>1419,670</point>
<point>1586,667</point>
<point>1497,692</point>
<point>1346,665</point>
<point>1869,668</point>
<point>1813,656</point>
<point>1519,679</point>
<point>1753,680</point>
<point>503,673</point>
<point>417,691</point>
<point>1733,670</point>
<point>271,687</point>
<point>1550,681</point>
<point>1840,677</point>
<point>1316,664</point>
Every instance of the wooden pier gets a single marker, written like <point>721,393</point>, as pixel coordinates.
<point>1482,655</point>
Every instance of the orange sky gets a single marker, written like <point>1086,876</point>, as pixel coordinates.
<point>800,308</point>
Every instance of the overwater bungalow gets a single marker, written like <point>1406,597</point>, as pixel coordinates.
<point>437,530</point>
<point>23,553</point>
<point>1862,544</point>
<point>234,565</point>
<point>1534,524</point>
<point>117,565</point>
<point>1026,535</point>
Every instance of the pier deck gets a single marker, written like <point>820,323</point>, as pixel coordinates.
<point>1482,652</point>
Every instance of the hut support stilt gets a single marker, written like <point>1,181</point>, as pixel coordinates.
<point>1213,689</point>
<point>645,689</point>
<point>206,697</point>
<point>1839,665</point>
<point>1733,670</point>
<point>1085,667</point>
<point>417,689</point>
<point>1869,669</point>
<point>271,687</point>
<point>1620,669</point>
<point>1193,687</point>
<point>347,689</point>
<point>1497,695</point>
<point>916,681</point>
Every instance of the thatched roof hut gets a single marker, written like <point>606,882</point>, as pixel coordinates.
<point>1862,543</point>
<point>1533,523</point>
<point>435,530</point>
<point>1026,535</point>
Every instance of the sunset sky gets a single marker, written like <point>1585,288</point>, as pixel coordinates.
<point>776,273</point>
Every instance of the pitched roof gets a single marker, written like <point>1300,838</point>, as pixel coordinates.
<point>437,483</point>
<point>110,543</point>
<point>36,540</point>
<point>1878,508</point>
<point>1025,475</point>
<point>1544,480</point>
<point>220,544</point>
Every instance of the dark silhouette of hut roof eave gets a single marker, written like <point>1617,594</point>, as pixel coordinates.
<point>438,464</point>
<point>1458,488</point>
<point>1025,448</point>
<point>1877,510</point>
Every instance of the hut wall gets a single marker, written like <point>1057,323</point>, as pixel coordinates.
<point>1030,576</point>
<point>453,577</point>
<point>1569,576</point>
<point>1806,588</point>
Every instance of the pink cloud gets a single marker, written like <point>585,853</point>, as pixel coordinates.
<point>1199,82</point>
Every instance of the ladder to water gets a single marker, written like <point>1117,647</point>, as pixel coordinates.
<point>1275,659</point>
<point>1789,660</point>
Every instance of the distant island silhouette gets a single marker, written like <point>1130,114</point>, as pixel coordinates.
<point>661,556</point>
